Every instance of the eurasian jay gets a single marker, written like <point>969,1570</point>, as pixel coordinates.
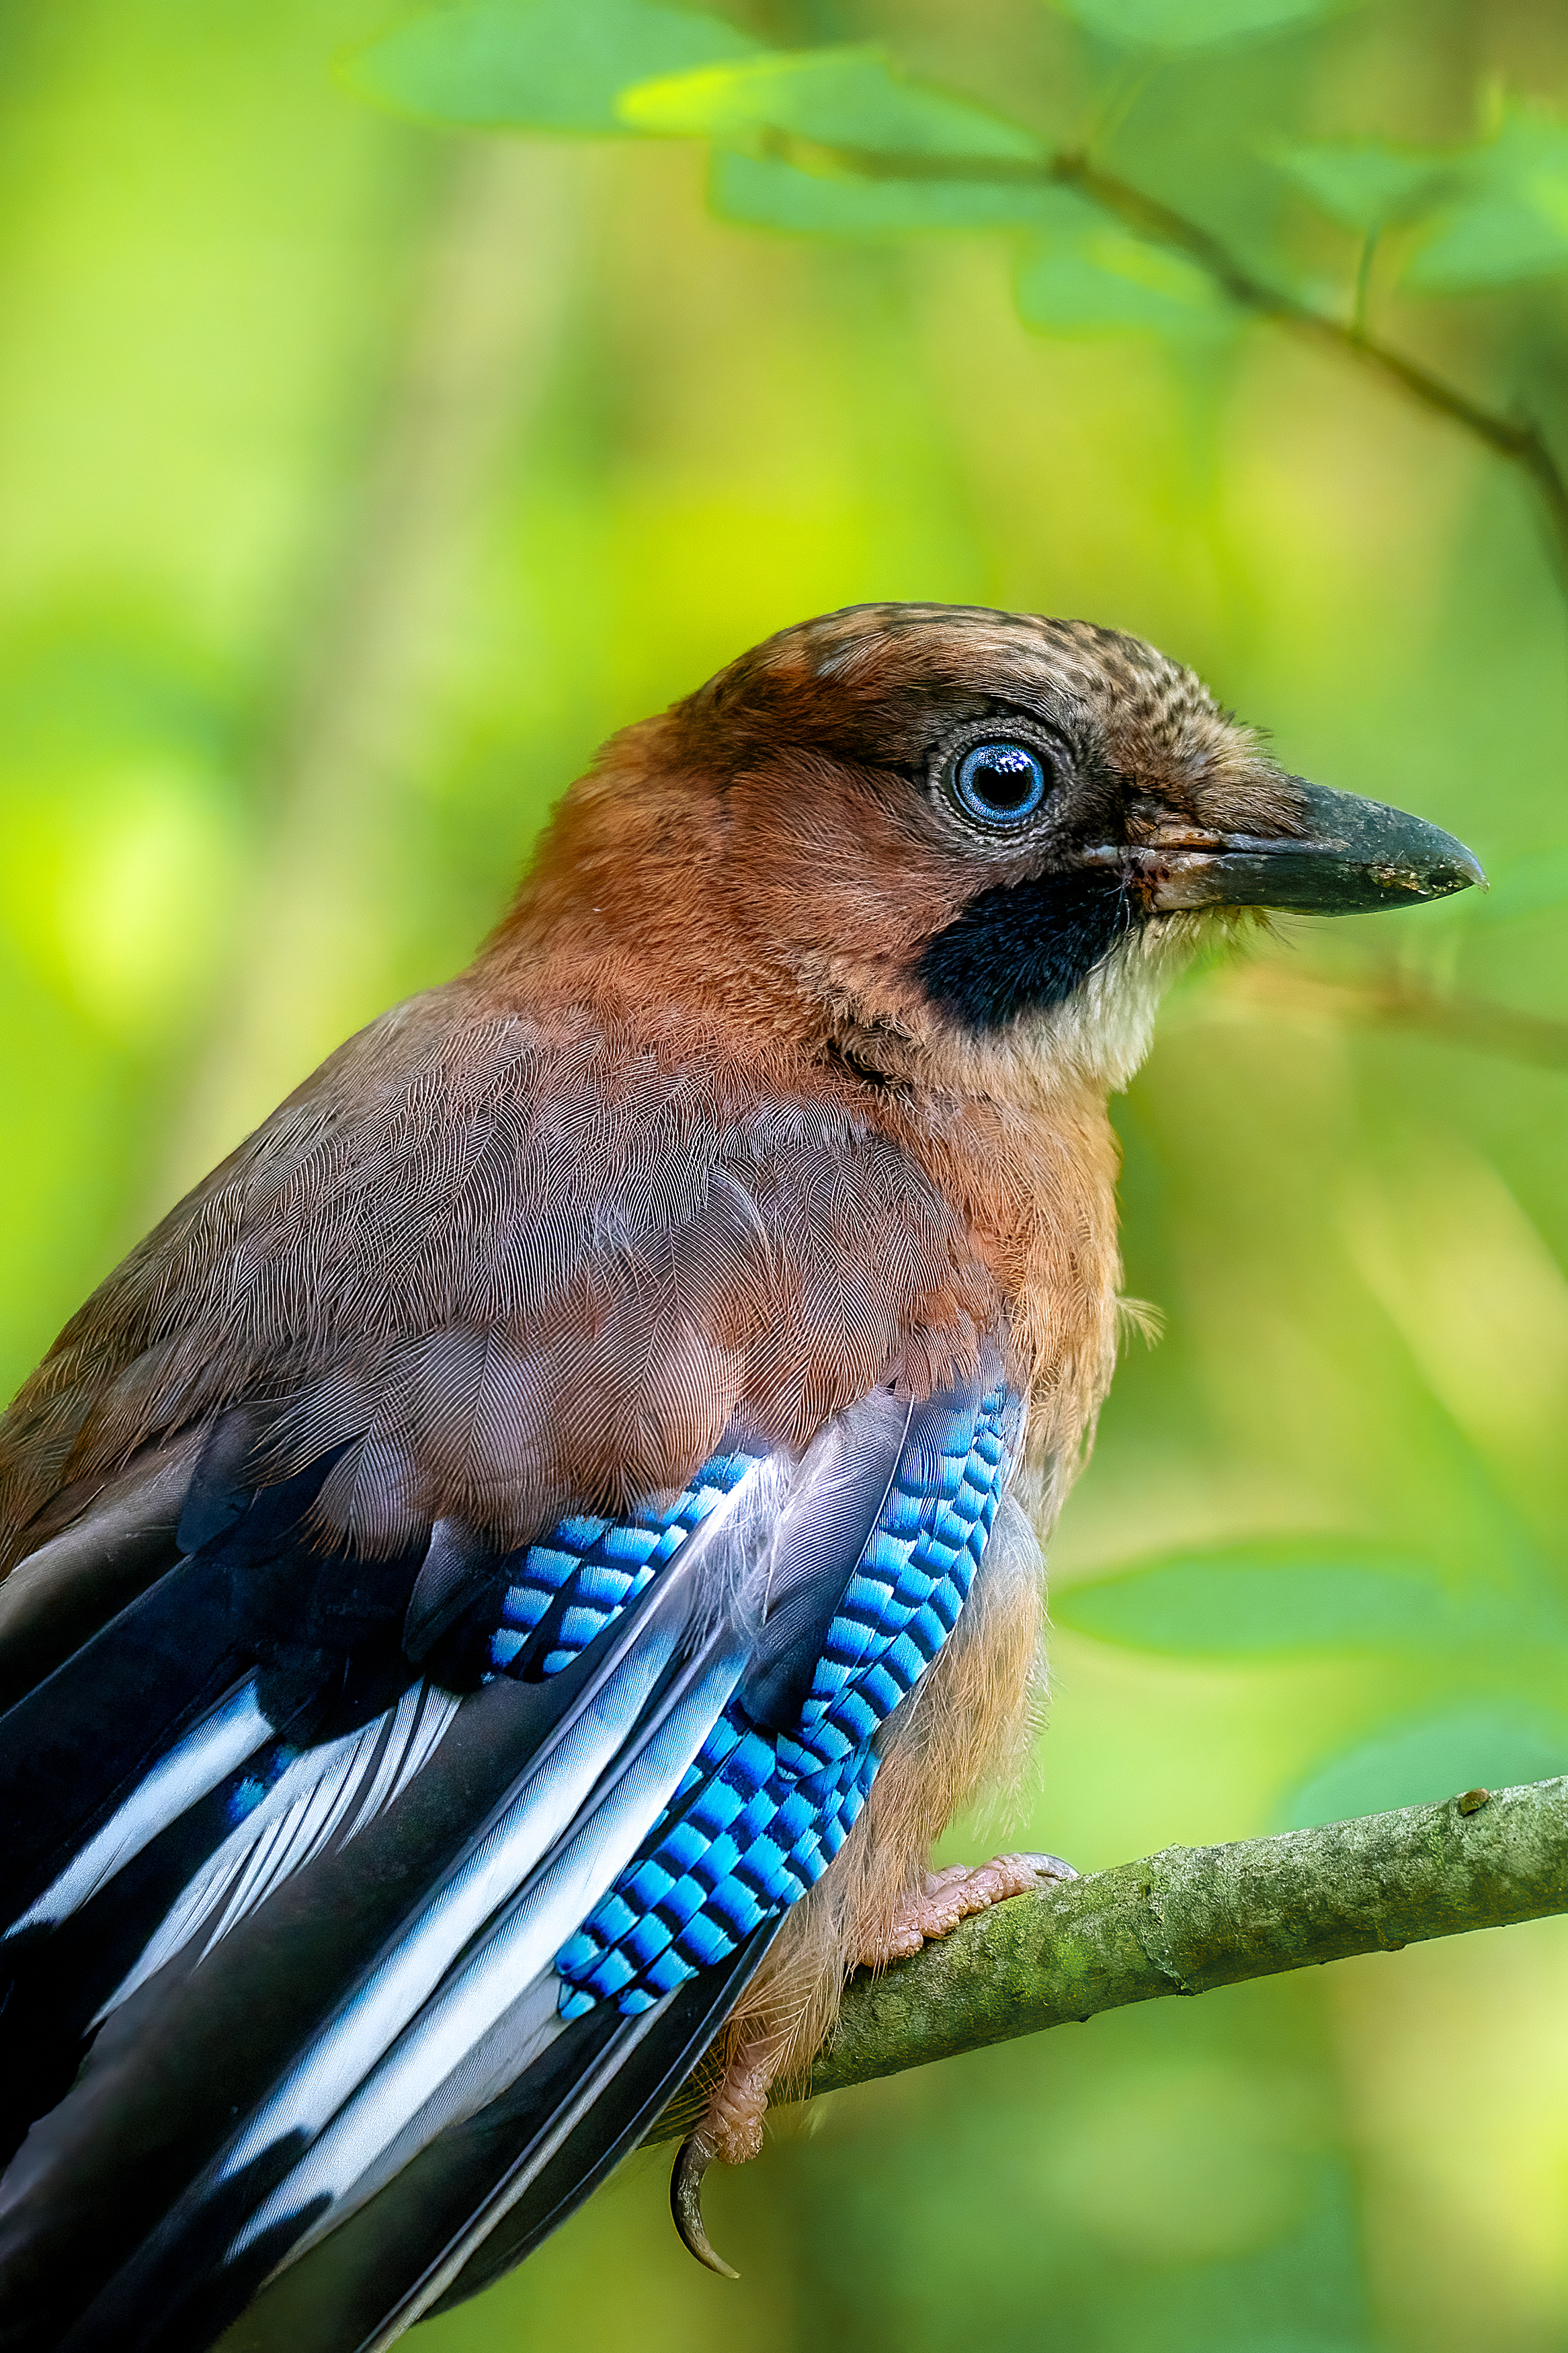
<point>507,1579</point>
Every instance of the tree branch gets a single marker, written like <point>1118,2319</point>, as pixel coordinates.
<point>1521,442</point>
<point>1191,1919</point>
<point>1469,1022</point>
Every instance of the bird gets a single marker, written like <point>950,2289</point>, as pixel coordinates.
<point>504,1585</point>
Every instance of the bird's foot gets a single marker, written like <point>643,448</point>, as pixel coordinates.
<point>732,2126</point>
<point>731,2131</point>
<point>953,1895</point>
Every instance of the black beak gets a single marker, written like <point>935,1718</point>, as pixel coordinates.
<point>1354,856</point>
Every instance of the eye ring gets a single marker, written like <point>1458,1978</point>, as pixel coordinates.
<point>1000,783</point>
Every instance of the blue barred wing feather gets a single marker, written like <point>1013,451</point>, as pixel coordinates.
<point>762,1812</point>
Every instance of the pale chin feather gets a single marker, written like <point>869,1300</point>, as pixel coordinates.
<point>1103,1031</point>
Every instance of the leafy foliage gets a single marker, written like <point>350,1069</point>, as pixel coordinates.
<point>1364,183</point>
<point>1290,1600</point>
<point>845,97</point>
<point>1096,279</point>
<point>1272,1601</point>
<point>1499,1747</point>
<point>1174,26</point>
<point>1279,1599</point>
<point>537,64</point>
<point>1504,216</point>
<point>801,139</point>
<point>1491,214</point>
<point>766,192</point>
<point>359,481</point>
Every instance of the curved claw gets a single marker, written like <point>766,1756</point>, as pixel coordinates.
<point>1051,1866</point>
<point>692,2161</point>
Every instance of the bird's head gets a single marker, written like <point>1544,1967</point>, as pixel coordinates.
<point>955,837</point>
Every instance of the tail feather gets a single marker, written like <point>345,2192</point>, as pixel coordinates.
<point>524,2212</point>
<point>489,2189</point>
<point>255,1598</point>
<point>228,1736</point>
<point>156,2098</point>
<point>77,1747</point>
<point>338,1787</point>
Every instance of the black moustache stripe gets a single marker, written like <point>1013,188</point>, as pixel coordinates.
<point>1022,949</point>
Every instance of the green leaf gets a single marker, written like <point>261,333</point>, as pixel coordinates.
<point>1258,1601</point>
<point>1099,280</point>
<point>1365,184</point>
<point>1508,218</point>
<point>1496,212</point>
<point>1173,24</point>
<point>764,192</point>
<point>537,64</point>
<point>836,98</point>
<point>1423,1760</point>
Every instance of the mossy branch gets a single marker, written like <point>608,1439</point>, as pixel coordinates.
<point>1191,1919</point>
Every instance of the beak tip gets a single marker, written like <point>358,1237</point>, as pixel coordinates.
<point>1388,857</point>
<point>1464,871</point>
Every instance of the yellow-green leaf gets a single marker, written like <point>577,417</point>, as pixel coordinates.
<point>1508,215</point>
<point>1099,280</point>
<point>537,64</point>
<point>1494,213</point>
<point>1270,1600</point>
<point>848,98</point>
<point>1364,183</point>
<point>1426,1758</point>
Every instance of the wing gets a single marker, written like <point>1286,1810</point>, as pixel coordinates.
<point>444,1964</point>
<point>363,1900</point>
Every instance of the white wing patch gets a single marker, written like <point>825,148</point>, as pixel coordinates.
<point>430,2077</point>
<point>307,1807</point>
<point>232,1731</point>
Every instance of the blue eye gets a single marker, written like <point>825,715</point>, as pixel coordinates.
<point>1000,784</point>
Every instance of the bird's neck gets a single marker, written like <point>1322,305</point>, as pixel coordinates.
<point>1022,1147</point>
<point>629,918</point>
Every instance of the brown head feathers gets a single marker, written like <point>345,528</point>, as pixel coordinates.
<point>790,840</point>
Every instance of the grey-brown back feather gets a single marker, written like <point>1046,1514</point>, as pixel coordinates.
<point>514,1266</point>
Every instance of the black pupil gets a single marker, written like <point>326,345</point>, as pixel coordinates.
<point>1002,779</point>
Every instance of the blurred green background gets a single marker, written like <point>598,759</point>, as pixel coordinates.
<point>358,476</point>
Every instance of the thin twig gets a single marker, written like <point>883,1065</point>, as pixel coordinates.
<point>1359,308</point>
<point>1469,1022</point>
<point>1521,442</point>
